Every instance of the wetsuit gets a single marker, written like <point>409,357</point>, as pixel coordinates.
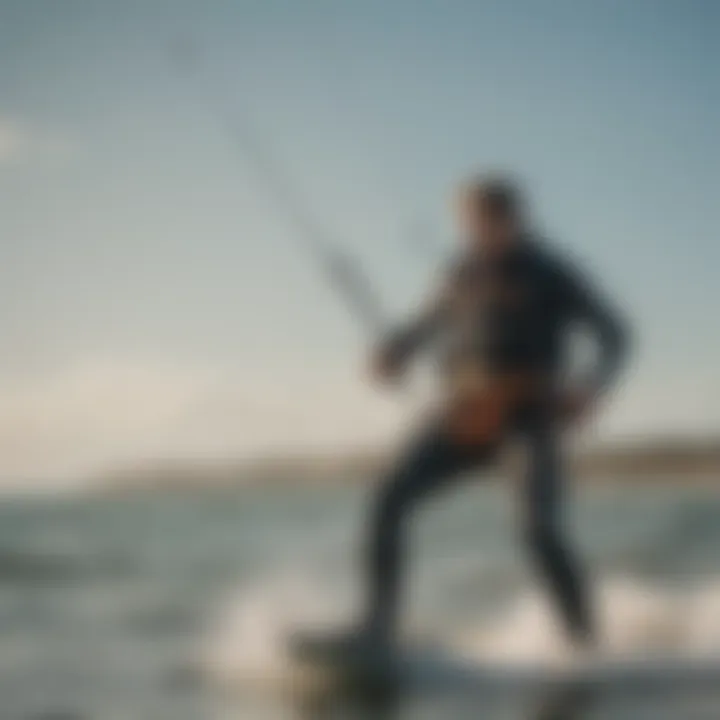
<point>511,313</point>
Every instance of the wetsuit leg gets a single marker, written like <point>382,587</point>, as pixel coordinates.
<point>429,465</point>
<point>543,526</point>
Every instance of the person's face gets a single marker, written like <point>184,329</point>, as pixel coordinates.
<point>483,228</point>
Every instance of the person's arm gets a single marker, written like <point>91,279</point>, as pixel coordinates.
<point>400,345</point>
<point>587,305</point>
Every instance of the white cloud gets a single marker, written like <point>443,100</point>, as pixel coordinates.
<point>70,423</point>
<point>64,424</point>
<point>667,404</point>
<point>72,419</point>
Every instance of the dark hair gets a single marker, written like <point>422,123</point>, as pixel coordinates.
<point>497,195</point>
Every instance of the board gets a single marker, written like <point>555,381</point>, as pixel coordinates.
<point>434,667</point>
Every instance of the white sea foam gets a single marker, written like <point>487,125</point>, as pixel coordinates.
<point>636,620</point>
<point>247,640</point>
<point>248,636</point>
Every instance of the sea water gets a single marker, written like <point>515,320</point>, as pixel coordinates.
<point>175,604</point>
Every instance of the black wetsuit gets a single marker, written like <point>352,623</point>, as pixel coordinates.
<point>511,313</point>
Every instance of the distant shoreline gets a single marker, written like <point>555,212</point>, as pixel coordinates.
<point>669,459</point>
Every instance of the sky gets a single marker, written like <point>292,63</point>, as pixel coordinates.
<point>156,299</point>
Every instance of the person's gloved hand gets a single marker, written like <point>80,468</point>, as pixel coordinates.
<point>577,406</point>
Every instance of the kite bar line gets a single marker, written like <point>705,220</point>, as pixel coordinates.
<point>341,270</point>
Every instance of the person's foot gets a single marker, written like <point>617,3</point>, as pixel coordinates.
<point>584,639</point>
<point>584,649</point>
<point>357,641</point>
<point>364,637</point>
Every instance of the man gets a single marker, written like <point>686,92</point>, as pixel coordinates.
<point>503,317</point>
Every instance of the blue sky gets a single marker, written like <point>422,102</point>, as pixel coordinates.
<point>154,299</point>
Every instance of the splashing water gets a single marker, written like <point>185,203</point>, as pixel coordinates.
<point>248,636</point>
<point>247,641</point>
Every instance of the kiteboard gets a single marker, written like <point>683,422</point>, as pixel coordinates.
<point>433,666</point>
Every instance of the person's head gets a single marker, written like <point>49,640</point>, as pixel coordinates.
<point>491,213</point>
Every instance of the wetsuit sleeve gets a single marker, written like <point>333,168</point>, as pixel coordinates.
<point>587,305</point>
<point>402,343</point>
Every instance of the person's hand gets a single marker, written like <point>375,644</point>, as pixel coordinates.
<point>384,369</point>
<point>577,406</point>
